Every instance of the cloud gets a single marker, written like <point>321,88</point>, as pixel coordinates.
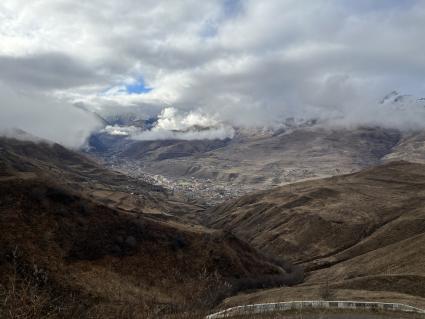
<point>46,71</point>
<point>190,126</point>
<point>118,130</point>
<point>170,120</point>
<point>215,133</point>
<point>176,125</point>
<point>43,118</point>
<point>245,63</point>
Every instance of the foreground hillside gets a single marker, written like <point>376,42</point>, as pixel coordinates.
<point>66,252</point>
<point>361,232</point>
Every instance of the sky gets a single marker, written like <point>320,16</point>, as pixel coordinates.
<point>240,62</point>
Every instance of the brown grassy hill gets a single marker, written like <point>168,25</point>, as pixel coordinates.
<point>65,252</point>
<point>26,159</point>
<point>363,231</point>
<point>55,161</point>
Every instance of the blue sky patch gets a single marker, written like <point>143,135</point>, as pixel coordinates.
<point>138,88</point>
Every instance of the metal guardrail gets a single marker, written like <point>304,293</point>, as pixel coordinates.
<point>315,304</point>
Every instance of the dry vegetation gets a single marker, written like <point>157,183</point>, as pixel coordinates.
<point>27,292</point>
<point>358,236</point>
<point>64,256</point>
<point>65,253</point>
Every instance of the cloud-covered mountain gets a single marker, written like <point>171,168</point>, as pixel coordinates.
<point>246,63</point>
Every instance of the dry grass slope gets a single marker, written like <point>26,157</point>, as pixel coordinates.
<point>66,253</point>
<point>363,231</point>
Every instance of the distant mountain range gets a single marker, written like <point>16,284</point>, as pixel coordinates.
<point>259,158</point>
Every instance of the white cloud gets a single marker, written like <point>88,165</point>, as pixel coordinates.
<point>172,124</point>
<point>240,62</point>
<point>118,130</point>
<point>222,132</point>
<point>43,118</point>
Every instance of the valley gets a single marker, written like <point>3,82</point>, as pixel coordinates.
<point>213,171</point>
<point>202,191</point>
<point>357,236</point>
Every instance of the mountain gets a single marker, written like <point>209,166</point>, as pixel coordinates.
<point>362,233</point>
<point>160,150</point>
<point>255,159</point>
<point>260,158</point>
<point>402,101</point>
<point>79,240</point>
<point>26,159</point>
<point>263,161</point>
<point>68,223</point>
<point>411,147</point>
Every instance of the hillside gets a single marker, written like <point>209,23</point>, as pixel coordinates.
<point>26,159</point>
<point>410,148</point>
<point>278,157</point>
<point>73,253</point>
<point>364,231</point>
<point>69,224</point>
<point>254,159</point>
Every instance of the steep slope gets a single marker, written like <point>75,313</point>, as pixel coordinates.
<point>26,159</point>
<point>170,149</point>
<point>80,246</point>
<point>50,159</point>
<point>362,231</point>
<point>410,148</point>
<point>86,255</point>
<point>334,213</point>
